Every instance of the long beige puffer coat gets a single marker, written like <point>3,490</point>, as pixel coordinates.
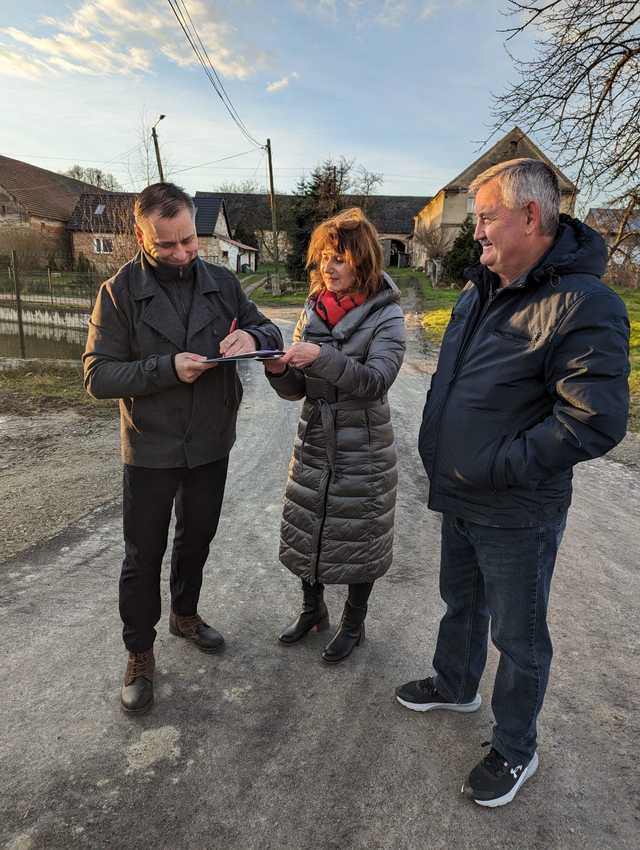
<point>337,522</point>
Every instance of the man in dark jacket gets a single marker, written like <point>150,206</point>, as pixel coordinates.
<point>153,326</point>
<point>532,378</point>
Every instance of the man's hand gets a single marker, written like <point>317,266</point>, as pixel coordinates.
<point>237,342</point>
<point>189,366</point>
<point>300,354</point>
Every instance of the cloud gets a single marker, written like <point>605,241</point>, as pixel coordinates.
<point>389,14</point>
<point>115,37</point>
<point>323,8</point>
<point>392,13</point>
<point>278,85</point>
<point>430,8</point>
<point>14,64</point>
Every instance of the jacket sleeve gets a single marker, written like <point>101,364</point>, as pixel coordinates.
<point>250,319</point>
<point>587,371</point>
<point>372,378</point>
<point>109,371</point>
<point>290,385</point>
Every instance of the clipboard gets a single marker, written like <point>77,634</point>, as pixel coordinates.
<point>261,354</point>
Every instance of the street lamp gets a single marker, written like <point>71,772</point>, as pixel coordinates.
<point>155,142</point>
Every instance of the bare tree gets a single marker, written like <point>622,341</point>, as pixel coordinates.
<point>144,169</point>
<point>581,91</point>
<point>243,187</point>
<point>95,176</point>
<point>436,243</point>
<point>364,183</point>
<point>435,240</point>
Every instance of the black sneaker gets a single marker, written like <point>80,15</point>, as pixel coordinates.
<point>495,782</point>
<point>423,696</point>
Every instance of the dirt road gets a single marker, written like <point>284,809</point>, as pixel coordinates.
<point>263,746</point>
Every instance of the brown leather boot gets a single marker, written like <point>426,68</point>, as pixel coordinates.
<point>195,629</point>
<point>136,695</point>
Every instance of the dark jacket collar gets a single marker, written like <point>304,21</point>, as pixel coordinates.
<point>144,283</point>
<point>158,312</point>
<point>577,249</point>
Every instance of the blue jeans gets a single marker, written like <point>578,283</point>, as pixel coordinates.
<point>502,576</point>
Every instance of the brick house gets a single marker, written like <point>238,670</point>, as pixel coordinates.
<point>101,230</point>
<point>449,207</point>
<point>37,200</point>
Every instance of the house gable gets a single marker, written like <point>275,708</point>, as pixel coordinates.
<point>514,145</point>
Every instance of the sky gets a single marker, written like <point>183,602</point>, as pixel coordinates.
<point>403,87</point>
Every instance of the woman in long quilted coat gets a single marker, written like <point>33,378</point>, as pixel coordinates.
<point>337,522</point>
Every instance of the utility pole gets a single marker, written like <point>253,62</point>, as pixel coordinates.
<point>274,225</point>
<point>157,147</point>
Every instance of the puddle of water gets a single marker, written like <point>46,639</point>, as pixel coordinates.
<point>43,347</point>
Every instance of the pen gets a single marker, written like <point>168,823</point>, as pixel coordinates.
<point>234,325</point>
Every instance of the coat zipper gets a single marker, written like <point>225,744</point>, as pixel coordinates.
<point>458,365</point>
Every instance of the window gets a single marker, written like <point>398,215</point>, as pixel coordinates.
<point>100,208</point>
<point>102,245</point>
<point>225,255</point>
<point>3,210</point>
<point>470,204</point>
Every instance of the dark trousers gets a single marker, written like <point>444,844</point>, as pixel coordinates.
<point>502,576</point>
<point>148,497</point>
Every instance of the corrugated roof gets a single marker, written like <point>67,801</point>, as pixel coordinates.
<point>41,192</point>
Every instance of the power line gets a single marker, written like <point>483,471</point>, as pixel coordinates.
<point>213,161</point>
<point>192,35</point>
<point>217,76</point>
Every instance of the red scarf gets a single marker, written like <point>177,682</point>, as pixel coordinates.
<point>332,308</point>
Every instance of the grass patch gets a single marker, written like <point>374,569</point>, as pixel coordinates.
<point>37,387</point>
<point>631,298</point>
<point>290,299</point>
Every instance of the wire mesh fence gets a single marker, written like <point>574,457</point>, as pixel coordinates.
<point>69,289</point>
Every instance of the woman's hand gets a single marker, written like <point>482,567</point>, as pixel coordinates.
<point>275,366</point>
<point>300,355</point>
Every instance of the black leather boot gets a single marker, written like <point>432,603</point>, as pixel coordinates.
<point>351,631</point>
<point>136,695</point>
<point>314,614</point>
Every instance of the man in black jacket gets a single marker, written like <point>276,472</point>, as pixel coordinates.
<point>153,326</point>
<point>532,378</point>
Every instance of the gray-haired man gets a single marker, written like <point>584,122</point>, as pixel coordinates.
<point>532,378</point>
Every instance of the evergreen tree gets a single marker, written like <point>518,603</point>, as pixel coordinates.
<point>465,251</point>
<point>316,198</point>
